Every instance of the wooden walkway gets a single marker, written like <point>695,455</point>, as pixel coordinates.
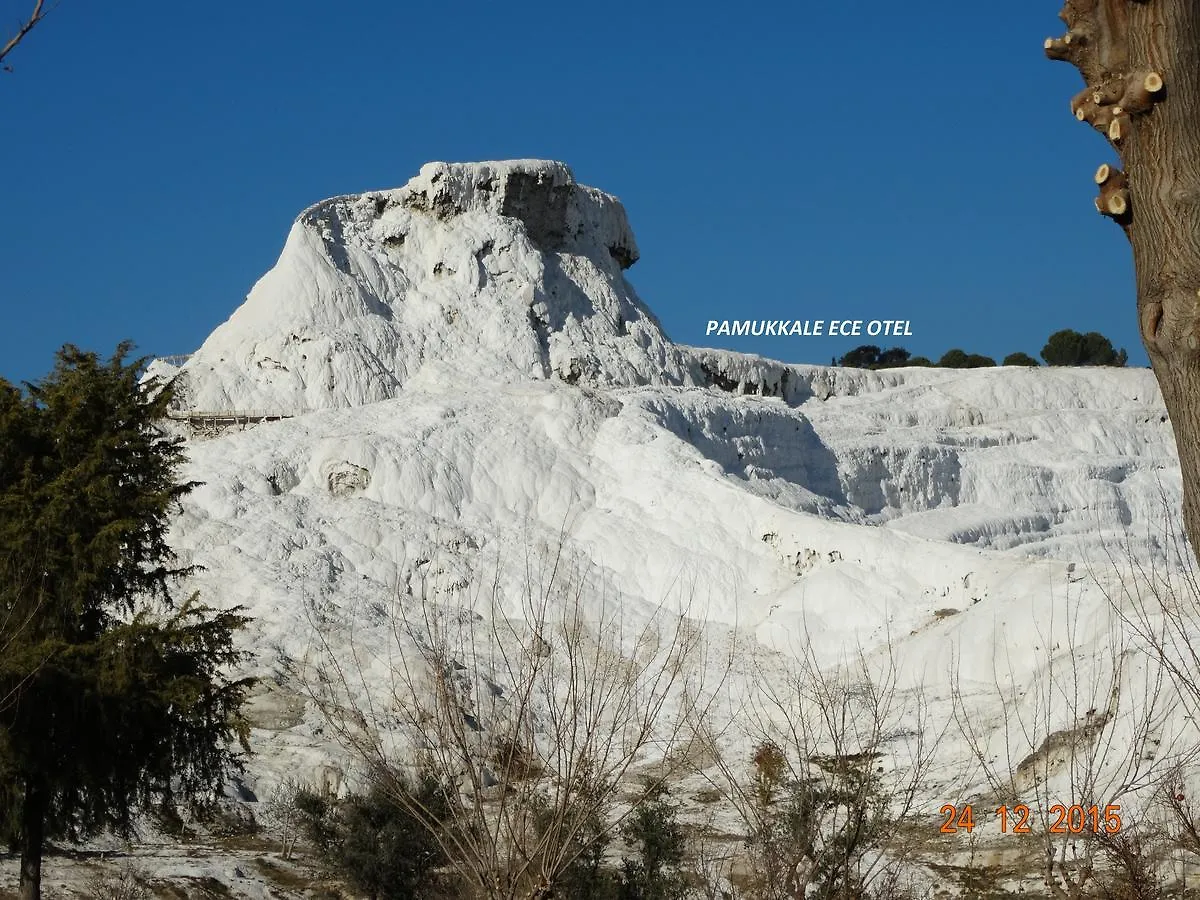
<point>225,419</point>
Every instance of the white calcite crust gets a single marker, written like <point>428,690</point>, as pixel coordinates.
<point>470,377</point>
<point>505,271</point>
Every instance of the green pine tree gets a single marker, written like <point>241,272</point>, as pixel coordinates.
<point>1070,348</point>
<point>1019,359</point>
<point>374,841</point>
<point>660,843</point>
<point>112,698</point>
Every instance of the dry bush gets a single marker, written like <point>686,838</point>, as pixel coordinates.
<point>127,883</point>
<point>279,816</point>
<point>530,725</point>
<point>1091,729</point>
<point>839,756</point>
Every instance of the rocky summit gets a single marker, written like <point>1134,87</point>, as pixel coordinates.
<point>504,270</point>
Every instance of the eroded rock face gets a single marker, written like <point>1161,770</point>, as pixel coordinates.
<point>508,270</point>
<point>558,213</point>
<point>541,203</point>
<point>345,479</point>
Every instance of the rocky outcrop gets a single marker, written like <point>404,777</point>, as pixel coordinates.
<point>509,270</point>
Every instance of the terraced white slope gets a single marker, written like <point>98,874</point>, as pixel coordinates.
<point>471,376</point>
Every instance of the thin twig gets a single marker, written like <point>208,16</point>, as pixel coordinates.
<point>39,13</point>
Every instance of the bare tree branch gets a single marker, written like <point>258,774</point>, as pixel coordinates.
<point>544,730</point>
<point>39,13</point>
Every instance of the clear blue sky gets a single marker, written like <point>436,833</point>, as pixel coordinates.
<point>803,160</point>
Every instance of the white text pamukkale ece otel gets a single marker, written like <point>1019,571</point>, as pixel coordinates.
<point>809,327</point>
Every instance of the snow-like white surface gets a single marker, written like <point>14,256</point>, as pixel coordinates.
<point>472,376</point>
<point>505,270</point>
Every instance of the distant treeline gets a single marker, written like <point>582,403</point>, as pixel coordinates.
<point>1063,348</point>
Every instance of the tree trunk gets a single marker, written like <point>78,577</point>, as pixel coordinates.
<point>1164,162</point>
<point>1141,62</point>
<point>33,831</point>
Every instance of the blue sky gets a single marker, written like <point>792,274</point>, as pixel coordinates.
<point>853,160</point>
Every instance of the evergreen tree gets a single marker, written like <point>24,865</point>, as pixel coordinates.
<point>658,838</point>
<point>116,697</point>
<point>373,840</point>
<point>893,358</point>
<point>864,357</point>
<point>953,359</point>
<point>868,356</point>
<point>1019,359</point>
<point>979,361</point>
<point>1070,348</point>
<point>960,359</point>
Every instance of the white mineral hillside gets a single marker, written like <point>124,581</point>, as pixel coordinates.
<point>506,271</point>
<point>470,374</point>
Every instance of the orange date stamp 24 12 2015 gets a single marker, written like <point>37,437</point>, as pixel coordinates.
<point>1062,819</point>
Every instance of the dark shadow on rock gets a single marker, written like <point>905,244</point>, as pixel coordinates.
<point>759,441</point>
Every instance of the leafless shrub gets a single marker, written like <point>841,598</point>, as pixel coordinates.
<point>127,883</point>
<point>1133,870</point>
<point>280,817</point>
<point>1086,738</point>
<point>839,756</point>
<point>712,863</point>
<point>543,729</point>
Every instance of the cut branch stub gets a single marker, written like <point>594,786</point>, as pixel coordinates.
<point>1113,201</point>
<point>1117,92</point>
<point>1057,48</point>
<point>1142,91</point>
<point>1116,100</point>
<point>1110,91</point>
<point>1096,40</point>
<point>1118,127</point>
<point>1151,316</point>
<point>1084,106</point>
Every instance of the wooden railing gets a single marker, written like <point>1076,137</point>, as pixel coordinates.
<point>224,419</point>
<point>176,360</point>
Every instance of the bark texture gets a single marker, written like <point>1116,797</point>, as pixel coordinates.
<point>33,815</point>
<point>1140,60</point>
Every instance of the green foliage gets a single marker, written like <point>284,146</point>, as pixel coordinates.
<point>577,839</point>
<point>146,700</point>
<point>88,481</point>
<point>654,832</point>
<point>868,356</point>
<point>1070,348</point>
<point>317,821</point>
<point>864,357</point>
<point>373,841</point>
<point>810,828</point>
<point>893,358</point>
<point>1019,359</point>
<point>651,830</point>
<point>960,359</point>
<point>111,698</point>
